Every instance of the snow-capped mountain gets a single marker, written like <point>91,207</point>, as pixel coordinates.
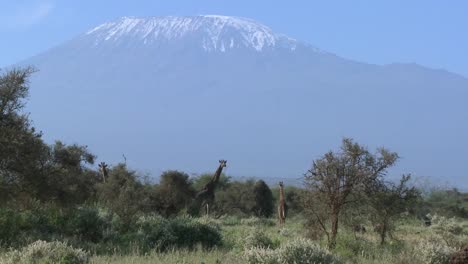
<point>183,92</point>
<point>214,33</point>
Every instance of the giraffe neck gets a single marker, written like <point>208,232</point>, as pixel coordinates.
<point>281,194</point>
<point>217,174</point>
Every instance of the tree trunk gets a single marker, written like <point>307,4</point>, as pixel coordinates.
<point>334,231</point>
<point>383,233</point>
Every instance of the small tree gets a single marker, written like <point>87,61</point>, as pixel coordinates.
<point>173,193</point>
<point>122,192</point>
<point>335,177</point>
<point>69,181</point>
<point>237,199</point>
<point>263,199</point>
<point>388,200</point>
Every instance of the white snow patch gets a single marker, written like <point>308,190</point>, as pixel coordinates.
<point>217,33</point>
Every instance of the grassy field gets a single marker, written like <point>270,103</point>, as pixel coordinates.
<point>351,247</point>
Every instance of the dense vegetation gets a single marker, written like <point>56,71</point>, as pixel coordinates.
<point>54,201</point>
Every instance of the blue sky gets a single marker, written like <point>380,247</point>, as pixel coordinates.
<point>427,32</point>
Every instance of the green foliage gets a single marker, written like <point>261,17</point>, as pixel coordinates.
<point>449,230</point>
<point>257,239</point>
<point>263,200</point>
<point>10,223</point>
<point>336,179</point>
<point>122,193</point>
<point>200,181</point>
<point>69,181</point>
<point>155,232</point>
<point>173,194</point>
<point>230,220</point>
<point>388,201</point>
<point>22,148</point>
<point>432,252</point>
<point>349,246</point>
<point>299,251</point>
<point>238,199</point>
<point>257,221</point>
<point>46,252</point>
<point>293,197</point>
<point>86,224</point>
<point>449,203</point>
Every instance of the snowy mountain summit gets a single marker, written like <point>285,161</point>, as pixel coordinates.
<point>211,32</point>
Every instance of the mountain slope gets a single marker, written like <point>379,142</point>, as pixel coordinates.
<point>183,92</point>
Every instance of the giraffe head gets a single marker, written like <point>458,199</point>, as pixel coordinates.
<point>103,167</point>
<point>222,163</point>
<point>281,184</point>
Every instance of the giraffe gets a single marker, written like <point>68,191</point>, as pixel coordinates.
<point>206,195</point>
<point>103,170</point>
<point>282,205</point>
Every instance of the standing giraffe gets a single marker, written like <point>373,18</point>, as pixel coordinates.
<point>103,170</point>
<point>282,205</point>
<point>206,195</point>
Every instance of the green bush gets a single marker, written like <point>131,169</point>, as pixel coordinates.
<point>432,252</point>
<point>156,232</point>
<point>9,226</point>
<point>46,252</point>
<point>449,230</point>
<point>257,221</point>
<point>214,223</point>
<point>257,239</point>
<point>299,251</point>
<point>348,245</point>
<point>231,220</point>
<point>87,224</point>
<point>19,228</point>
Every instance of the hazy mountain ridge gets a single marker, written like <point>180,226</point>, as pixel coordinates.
<point>269,104</point>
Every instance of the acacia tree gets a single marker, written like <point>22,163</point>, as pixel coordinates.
<point>333,179</point>
<point>174,193</point>
<point>387,201</point>
<point>122,193</point>
<point>69,180</point>
<point>21,146</point>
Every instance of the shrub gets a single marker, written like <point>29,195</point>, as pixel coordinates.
<point>299,251</point>
<point>262,256</point>
<point>87,224</point>
<point>460,257</point>
<point>449,230</point>
<point>156,232</point>
<point>284,232</point>
<point>431,252</point>
<point>46,252</point>
<point>257,238</point>
<point>257,221</point>
<point>231,220</point>
<point>205,220</point>
<point>9,226</point>
<point>263,200</point>
<point>446,225</point>
<point>349,246</point>
<point>305,251</point>
<point>190,232</point>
